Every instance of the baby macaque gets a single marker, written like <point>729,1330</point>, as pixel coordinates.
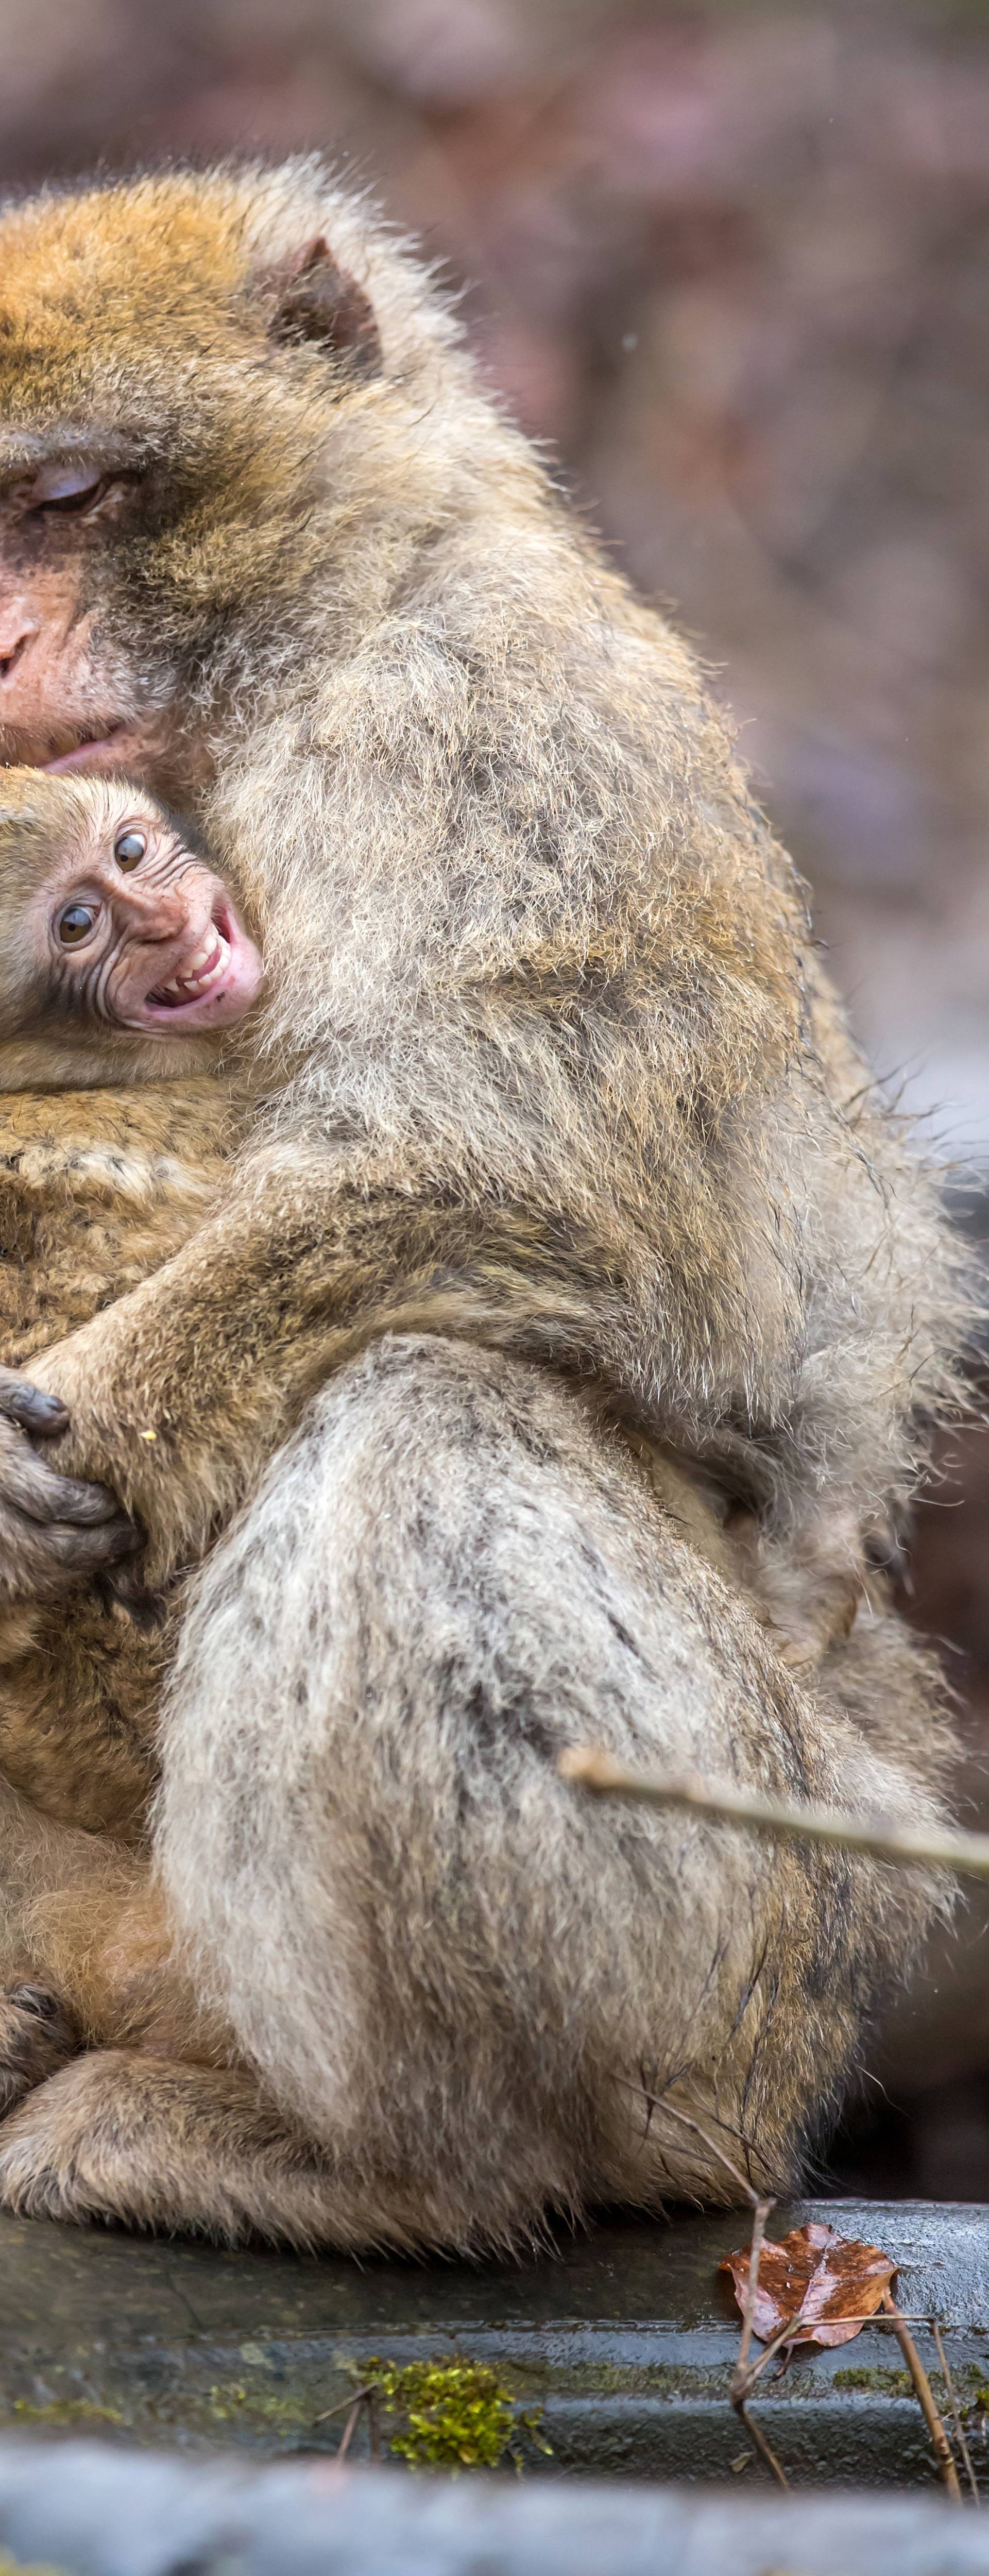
<point>124,968</point>
<point>111,921</point>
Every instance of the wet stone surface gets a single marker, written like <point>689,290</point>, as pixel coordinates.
<point>624,2339</point>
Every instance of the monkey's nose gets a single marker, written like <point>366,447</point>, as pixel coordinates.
<point>17,631</point>
<point>154,917</point>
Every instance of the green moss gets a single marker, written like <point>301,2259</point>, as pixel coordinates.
<point>885,2383</point>
<point>64,2410</point>
<point>453,2414</point>
<point>262,2406</point>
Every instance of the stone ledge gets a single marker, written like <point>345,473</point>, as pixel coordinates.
<point>104,2514</point>
<point>624,2339</point>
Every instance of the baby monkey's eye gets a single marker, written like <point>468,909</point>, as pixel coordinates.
<point>75,923</point>
<point>129,848</point>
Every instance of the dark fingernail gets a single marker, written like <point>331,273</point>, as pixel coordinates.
<point>38,1412</point>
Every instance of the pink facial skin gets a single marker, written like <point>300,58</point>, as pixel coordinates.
<point>142,935</point>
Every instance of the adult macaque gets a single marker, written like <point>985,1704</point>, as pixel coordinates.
<point>124,967</point>
<point>566,1158</point>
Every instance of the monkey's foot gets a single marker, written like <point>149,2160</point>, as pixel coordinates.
<point>37,2035</point>
<point>152,2143</point>
<point>158,2143</point>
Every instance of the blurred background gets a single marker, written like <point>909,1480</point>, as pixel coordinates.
<point>730,264</point>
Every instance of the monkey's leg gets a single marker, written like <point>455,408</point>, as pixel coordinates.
<point>453,1974</point>
<point>85,1951</point>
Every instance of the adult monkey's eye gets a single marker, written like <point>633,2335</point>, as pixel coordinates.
<point>69,490</point>
<point>72,505</point>
<point>129,848</point>
<point>75,923</point>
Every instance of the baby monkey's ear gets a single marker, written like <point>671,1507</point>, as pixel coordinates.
<point>319,301</point>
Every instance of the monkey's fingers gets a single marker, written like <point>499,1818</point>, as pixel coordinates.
<point>29,1485</point>
<point>30,1407</point>
<point>42,1563</point>
<point>87,1551</point>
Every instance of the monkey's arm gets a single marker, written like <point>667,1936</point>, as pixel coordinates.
<point>518,1167</point>
<point>180,1392</point>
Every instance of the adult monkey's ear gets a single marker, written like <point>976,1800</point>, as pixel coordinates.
<point>318,301</point>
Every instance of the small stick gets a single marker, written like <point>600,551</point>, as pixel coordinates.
<point>343,2402</point>
<point>350,2424</point>
<point>658,2102</point>
<point>925,2398</point>
<point>762,2211</point>
<point>744,2374</point>
<point>720,1800</point>
<point>956,2413</point>
<point>757,2436</point>
<point>787,2333</point>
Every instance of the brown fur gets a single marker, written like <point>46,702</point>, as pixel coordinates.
<point>97,1189</point>
<point>564,1134</point>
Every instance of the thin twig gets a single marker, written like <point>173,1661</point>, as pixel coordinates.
<point>947,2471</point>
<point>658,2102</point>
<point>787,2333</point>
<point>757,2436</point>
<point>956,2412</point>
<point>745,2373</point>
<point>763,2208</point>
<point>349,2427</point>
<point>720,1800</point>
<point>341,2405</point>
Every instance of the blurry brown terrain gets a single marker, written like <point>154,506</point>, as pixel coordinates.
<point>731,264</point>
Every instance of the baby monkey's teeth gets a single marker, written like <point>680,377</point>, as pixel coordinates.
<point>212,960</point>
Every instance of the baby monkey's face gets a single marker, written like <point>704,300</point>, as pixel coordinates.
<point>129,926</point>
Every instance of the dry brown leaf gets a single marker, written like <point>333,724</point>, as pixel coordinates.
<point>827,2284</point>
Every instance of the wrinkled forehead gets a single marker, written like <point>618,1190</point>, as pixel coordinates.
<point>106,299</point>
<point>49,821</point>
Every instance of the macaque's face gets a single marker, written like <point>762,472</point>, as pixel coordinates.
<point>68,700</point>
<point>130,930</point>
<point>172,369</point>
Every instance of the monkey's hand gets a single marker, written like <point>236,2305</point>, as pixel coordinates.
<point>56,1531</point>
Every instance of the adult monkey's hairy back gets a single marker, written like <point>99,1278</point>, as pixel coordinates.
<point>567,1154</point>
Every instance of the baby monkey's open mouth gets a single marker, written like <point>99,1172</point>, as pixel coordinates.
<point>215,982</point>
<point>202,972</point>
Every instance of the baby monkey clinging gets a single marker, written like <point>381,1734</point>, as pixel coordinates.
<point>124,964</point>
<point>113,921</point>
